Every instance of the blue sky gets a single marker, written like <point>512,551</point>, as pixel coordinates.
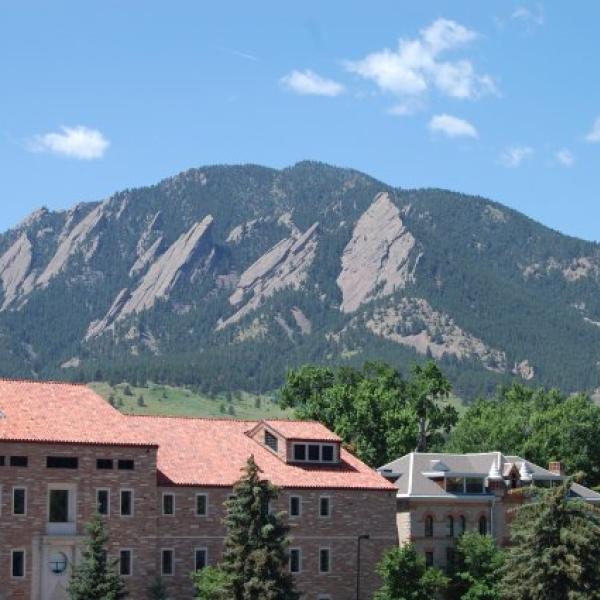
<point>499,99</point>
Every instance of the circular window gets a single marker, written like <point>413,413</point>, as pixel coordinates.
<point>58,563</point>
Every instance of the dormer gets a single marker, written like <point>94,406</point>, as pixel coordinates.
<point>298,442</point>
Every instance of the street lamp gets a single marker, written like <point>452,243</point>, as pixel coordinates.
<point>364,536</point>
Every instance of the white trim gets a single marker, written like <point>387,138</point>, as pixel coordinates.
<point>320,460</point>
<point>162,504</point>
<point>329,561</point>
<point>172,551</point>
<point>131,514</point>
<point>12,552</point>
<point>107,490</point>
<point>410,472</point>
<point>201,549</point>
<point>205,514</point>
<point>329,506</point>
<point>299,551</point>
<point>24,513</point>
<point>130,550</point>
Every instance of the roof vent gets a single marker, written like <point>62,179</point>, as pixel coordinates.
<point>438,465</point>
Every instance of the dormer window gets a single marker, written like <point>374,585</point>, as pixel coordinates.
<point>314,453</point>
<point>270,441</point>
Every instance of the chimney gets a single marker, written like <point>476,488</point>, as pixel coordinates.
<point>555,467</point>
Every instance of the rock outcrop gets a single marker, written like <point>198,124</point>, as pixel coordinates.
<point>15,265</point>
<point>285,265</point>
<point>379,259</point>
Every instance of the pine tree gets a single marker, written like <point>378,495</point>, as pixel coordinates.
<point>95,578</point>
<point>555,552</point>
<point>255,555</point>
<point>157,589</point>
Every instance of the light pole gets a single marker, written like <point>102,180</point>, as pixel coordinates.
<point>359,539</point>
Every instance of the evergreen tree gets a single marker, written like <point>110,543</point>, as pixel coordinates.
<point>157,589</point>
<point>406,577</point>
<point>95,578</point>
<point>255,554</point>
<point>555,551</point>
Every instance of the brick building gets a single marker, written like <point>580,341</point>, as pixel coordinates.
<point>160,483</point>
<point>440,496</point>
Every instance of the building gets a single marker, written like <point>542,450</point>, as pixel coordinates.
<point>440,496</point>
<point>160,483</point>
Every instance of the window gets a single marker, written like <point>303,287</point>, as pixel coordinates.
<point>125,562</point>
<point>125,464</point>
<point>314,452</point>
<point>19,461</point>
<point>103,502</point>
<point>450,522</point>
<point>166,562</point>
<point>429,559</point>
<point>450,560</point>
<point>19,503</point>
<point>126,504</point>
<point>270,441</point>
<point>2,461</point>
<point>324,506</point>
<point>463,524</point>
<point>324,560</point>
<point>201,505</point>
<point>299,452</point>
<point>428,526</point>
<point>17,563</point>
<point>200,558</point>
<point>455,485</point>
<point>295,506</point>
<point>482,525</point>
<point>474,485</point>
<point>62,462</point>
<point>327,453</point>
<point>295,560</point>
<point>168,505</point>
<point>58,506</point>
<point>104,463</point>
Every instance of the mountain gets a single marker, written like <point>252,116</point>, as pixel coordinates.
<point>223,276</point>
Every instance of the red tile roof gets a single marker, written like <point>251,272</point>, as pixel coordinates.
<point>193,452</point>
<point>60,412</point>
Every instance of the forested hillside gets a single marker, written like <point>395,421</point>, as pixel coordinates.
<point>222,277</point>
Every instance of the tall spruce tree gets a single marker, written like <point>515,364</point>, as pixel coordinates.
<point>555,551</point>
<point>95,578</point>
<point>255,555</point>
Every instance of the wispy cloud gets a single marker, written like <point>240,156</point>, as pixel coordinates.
<point>74,142</point>
<point>406,107</point>
<point>240,54</point>
<point>593,135</point>
<point>531,17</point>
<point>452,126</point>
<point>308,83</point>
<point>513,156</point>
<point>565,157</point>
<point>417,65</point>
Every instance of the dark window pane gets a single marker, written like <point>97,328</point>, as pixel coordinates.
<point>19,501</point>
<point>59,506</point>
<point>474,486</point>
<point>324,507</point>
<point>62,462</point>
<point>2,461</point>
<point>324,560</point>
<point>168,504</point>
<point>271,441</point>
<point>18,461</point>
<point>104,463</point>
<point>299,452</point>
<point>295,560</point>
<point>126,507</point>
<point>295,506</point>
<point>429,559</point>
<point>18,563</point>
<point>482,525</point>
<point>327,453</point>
<point>125,562</point>
<point>429,526</point>
<point>103,499</point>
<point>167,562</point>
<point>313,452</point>
<point>201,505</point>
<point>200,559</point>
<point>455,485</point>
<point>125,464</point>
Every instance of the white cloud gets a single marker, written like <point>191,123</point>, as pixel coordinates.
<point>565,157</point>
<point>405,108</point>
<point>452,126</point>
<point>416,65</point>
<point>307,82</point>
<point>513,156</point>
<point>594,134</point>
<point>75,142</point>
<point>529,16</point>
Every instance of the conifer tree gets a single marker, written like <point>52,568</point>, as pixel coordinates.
<point>555,553</point>
<point>255,555</point>
<point>95,578</point>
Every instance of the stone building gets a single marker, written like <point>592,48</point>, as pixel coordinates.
<point>160,483</point>
<point>440,496</point>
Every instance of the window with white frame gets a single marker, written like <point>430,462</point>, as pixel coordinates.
<point>324,560</point>
<point>126,503</point>
<point>103,502</point>
<point>295,560</point>
<point>167,561</point>
<point>17,563</point>
<point>125,562</point>
<point>168,504</point>
<point>201,505</point>
<point>200,558</point>
<point>19,501</point>
<point>295,506</point>
<point>313,452</point>
<point>325,506</point>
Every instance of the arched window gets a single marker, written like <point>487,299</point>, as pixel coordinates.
<point>428,526</point>
<point>463,524</point>
<point>450,521</point>
<point>483,525</point>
